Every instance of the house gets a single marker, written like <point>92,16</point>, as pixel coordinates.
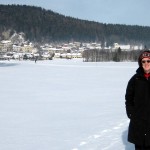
<point>6,45</point>
<point>27,48</point>
<point>123,47</point>
<point>16,48</point>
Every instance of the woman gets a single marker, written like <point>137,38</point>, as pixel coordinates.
<point>138,104</point>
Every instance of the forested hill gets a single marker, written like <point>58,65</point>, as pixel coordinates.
<point>43,25</point>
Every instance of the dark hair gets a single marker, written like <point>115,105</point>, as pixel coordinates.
<point>145,53</point>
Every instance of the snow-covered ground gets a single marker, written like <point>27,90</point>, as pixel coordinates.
<point>64,105</point>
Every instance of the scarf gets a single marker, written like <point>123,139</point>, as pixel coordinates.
<point>147,75</point>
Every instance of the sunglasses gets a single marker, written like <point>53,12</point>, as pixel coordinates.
<point>144,61</point>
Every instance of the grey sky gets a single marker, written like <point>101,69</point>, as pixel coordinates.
<point>129,12</point>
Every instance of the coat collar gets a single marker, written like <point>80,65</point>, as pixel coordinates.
<point>140,71</point>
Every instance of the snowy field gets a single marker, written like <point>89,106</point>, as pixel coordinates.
<point>64,105</point>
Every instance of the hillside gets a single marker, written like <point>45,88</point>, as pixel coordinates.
<point>42,25</point>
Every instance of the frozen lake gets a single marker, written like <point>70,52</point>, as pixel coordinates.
<point>64,105</point>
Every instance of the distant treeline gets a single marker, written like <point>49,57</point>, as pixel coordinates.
<point>110,55</point>
<point>42,25</point>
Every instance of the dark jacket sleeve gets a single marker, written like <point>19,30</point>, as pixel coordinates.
<point>129,97</point>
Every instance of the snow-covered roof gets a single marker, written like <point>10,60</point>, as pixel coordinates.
<point>5,41</point>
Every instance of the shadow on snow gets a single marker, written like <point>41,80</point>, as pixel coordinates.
<point>7,64</point>
<point>128,146</point>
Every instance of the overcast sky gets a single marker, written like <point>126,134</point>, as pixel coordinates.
<point>129,12</point>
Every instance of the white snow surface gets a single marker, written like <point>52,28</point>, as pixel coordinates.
<point>64,105</point>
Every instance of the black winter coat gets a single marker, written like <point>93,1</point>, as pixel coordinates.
<point>138,108</point>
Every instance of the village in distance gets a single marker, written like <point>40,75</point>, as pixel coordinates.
<point>16,47</point>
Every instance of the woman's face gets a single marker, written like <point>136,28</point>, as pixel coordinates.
<point>146,65</point>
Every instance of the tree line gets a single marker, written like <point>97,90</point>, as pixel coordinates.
<point>117,55</point>
<point>43,25</point>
